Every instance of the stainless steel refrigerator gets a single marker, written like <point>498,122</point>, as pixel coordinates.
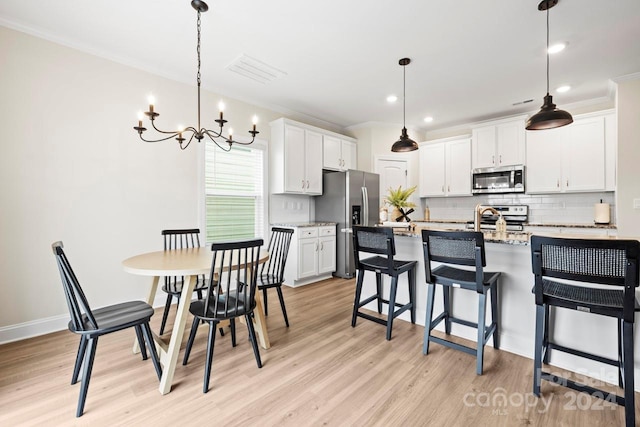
<point>348,198</point>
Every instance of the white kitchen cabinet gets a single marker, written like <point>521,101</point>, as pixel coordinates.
<point>445,168</point>
<point>497,144</point>
<point>294,153</point>
<point>338,154</point>
<point>572,158</point>
<point>312,255</point>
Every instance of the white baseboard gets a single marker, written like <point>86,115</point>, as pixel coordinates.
<point>47,325</point>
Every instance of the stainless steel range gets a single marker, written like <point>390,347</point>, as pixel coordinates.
<point>514,215</point>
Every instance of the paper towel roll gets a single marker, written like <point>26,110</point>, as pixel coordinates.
<point>601,213</point>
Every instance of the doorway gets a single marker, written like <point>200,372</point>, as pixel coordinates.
<point>393,173</point>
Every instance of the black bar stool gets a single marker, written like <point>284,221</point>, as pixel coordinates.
<point>586,261</point>
<point>459,248</point>
<point>379,241</point>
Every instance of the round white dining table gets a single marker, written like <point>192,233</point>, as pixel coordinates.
<point>189,263</point>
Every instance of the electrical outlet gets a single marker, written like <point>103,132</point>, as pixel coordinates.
<point>636,203</point>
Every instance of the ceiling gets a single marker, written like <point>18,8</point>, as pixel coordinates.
<point>471,60</point>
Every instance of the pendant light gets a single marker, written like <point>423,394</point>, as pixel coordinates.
<point>549,116</point>
<point>404,143</point>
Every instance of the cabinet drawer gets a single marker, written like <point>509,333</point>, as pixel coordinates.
<point>305,232</point>
<point>326,231</point>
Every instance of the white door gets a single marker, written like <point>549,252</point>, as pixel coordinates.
<point>294,174</point>
<point>331,153</point>
<point>327,254</point>
<point>312,162</point>
<point>393,173</point>
<point>458,170</point>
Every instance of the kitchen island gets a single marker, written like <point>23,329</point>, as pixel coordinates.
<point>510,253</point>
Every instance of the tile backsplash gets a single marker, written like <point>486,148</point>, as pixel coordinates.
<point>570,208</point>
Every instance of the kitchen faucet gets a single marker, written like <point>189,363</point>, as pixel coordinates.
<point>478,215</point>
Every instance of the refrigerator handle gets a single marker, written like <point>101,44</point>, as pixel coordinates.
<point>365,206</point>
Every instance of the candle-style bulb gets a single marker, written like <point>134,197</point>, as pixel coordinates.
<point>254,120</point>
<point>221,106</point>
<point>230,133</point>
<point>140,116</point>
<point>152,100</point>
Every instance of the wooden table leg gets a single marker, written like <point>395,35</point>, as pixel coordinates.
<point>150,298</point>
<point>171,359</point>
<point>260,322</point>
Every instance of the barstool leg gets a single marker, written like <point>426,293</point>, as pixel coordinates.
<point>545,337</point>
<point>495,316</point>
<point>620,354</point>
<point>356,302</point>
<point>629,402</point>
<point>431,289</point>
<point>482,328</point>
<point>446,293</point>
<point>412,293</point>
<point>379,291</point>
<point>392,305</point>
<point>537,358</point>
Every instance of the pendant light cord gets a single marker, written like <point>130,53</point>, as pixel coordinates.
<point>548,51</point>
<point>404,97</point>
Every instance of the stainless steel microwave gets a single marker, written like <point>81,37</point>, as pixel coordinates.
<point>505,179</point>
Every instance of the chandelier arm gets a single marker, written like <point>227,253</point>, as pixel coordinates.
<point>212,133</point>
<point>188,142</point>
<point>206,132</point>
<point>174,132</point>
<point>245,143</point>
<point>156,140</point>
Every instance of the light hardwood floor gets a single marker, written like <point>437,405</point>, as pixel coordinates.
<point>320,371</point>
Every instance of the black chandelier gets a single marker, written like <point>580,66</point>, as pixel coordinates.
<point>549,116</point>
<point>198,133</point>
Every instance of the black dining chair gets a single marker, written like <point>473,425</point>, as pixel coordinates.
<point>230,295</point>
<point>379,241</point>
<point>92,324</point>
<point>272,272</point>
<point>179,239</point>
<point>565,271</point>
<point>452,249</point>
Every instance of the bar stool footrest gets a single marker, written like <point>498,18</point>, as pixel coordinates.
<point>600,394</point>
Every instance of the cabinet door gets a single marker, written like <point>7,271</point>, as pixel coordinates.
<point>510,144</point>
<point>349,155</point>
<point>584,159</point>
<point>544,160</point>
<point>294,169</point>
<point>331,149</point>
<point>458,168</point>
<point>484,147</point>
<point>307,257</point>
<point>327,255</point>
<point>312,163</point>
<point>432,169</point>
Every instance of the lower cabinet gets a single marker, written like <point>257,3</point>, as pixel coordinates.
<point>312,255</point>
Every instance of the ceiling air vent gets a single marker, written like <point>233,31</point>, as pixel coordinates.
<point>255,70</point>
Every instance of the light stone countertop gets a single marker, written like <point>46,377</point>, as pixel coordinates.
<point>304,224</point>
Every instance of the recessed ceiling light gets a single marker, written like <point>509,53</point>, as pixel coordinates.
<point>564,88</point>
<point>392,98</point>
<point>428,119</point>
<point>558,47</point>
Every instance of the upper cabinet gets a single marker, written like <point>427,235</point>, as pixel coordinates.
<point>338,153</point>
<point>574,158</point>
<point>445,168</point>
<point>500,143</point>
<point>294,159</point>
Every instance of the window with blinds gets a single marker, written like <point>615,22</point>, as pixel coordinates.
<point>234,192</point>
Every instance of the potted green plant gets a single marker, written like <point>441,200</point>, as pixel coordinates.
<point>399,199</point>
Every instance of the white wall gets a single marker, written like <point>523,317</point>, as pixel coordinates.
<point>628,172</point>
<point>73,169</point>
